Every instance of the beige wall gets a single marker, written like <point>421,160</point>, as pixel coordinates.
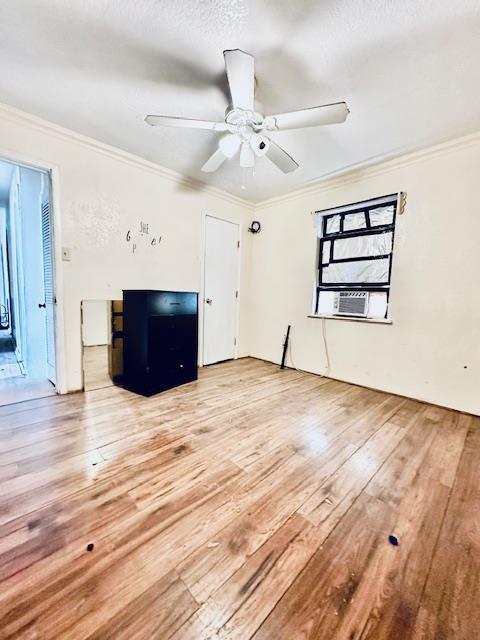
<point>432,349</point>
<point>102,194</point>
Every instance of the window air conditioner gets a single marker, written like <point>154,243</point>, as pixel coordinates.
<point>351,303</point>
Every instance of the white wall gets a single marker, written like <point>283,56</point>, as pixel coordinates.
<point>432,349</point>
<point>96,318</point>
<point>103,193</point>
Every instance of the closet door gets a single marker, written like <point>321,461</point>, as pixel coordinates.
<point>221,290</point>
<point>49,284</point>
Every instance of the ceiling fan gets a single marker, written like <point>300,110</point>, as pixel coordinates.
<point>244,128</point>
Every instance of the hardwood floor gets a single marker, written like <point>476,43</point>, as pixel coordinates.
<point>14,386</point>
<point>20,389</point>
<point>254,503</point>
<point>9,366</point>
<point>96,367</point>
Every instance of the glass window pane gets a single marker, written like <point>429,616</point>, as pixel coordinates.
<point>326,252</point>
<point>382,215</point>
<point>377,304</point>
<point>325,303</point>
<point>333,224</point>
<point>368,271</point>
<point>378,244</point>
<point>354,221</point>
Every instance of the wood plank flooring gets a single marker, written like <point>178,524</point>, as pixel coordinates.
<point>253,503</point>
<point>21,388</point>
<point>9,366</point>
<point>96,367</point>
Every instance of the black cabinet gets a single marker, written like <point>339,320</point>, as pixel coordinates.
<point>160,339</point>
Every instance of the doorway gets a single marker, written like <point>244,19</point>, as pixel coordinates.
<point>27,285</point>
<point>220,304</point>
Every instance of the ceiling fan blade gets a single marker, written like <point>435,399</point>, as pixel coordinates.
<point>190,123</point>
<point>215,161</point>
<point>313,117</point>
<point>281,158</point>
<point>240,68</point>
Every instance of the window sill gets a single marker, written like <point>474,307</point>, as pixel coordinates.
<point>352,319</point>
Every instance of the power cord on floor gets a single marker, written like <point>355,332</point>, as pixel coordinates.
<point>325,345</point>
<point>327,355</point>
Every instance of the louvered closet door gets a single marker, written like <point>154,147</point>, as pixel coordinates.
<point>49,283</point>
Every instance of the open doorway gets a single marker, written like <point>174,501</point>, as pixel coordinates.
<point>27,285</point>
<point>102,343</point>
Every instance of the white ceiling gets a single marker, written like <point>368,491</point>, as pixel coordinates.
<point>409,70</point>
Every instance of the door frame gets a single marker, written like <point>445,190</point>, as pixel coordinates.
<point>201,298</point>
<point>52,171</point>
<point>16,272</point>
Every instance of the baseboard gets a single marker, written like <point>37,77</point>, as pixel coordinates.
<point>362,386</point>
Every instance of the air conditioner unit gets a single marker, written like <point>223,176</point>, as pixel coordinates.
<point>351,303</point>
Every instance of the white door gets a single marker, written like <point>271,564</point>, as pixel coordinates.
<point>221,295</point>
<point>49,284</point>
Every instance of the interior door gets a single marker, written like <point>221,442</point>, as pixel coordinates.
<point>49,284</point>
<point>221,295</point>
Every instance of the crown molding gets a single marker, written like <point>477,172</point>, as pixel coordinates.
<point>375,166</point>
<point>31,121</point>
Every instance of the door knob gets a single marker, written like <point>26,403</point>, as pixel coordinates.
<point>208,300</point>
<point>40,306</point>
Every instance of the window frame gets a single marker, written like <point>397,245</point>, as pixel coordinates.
<point>364,207</point>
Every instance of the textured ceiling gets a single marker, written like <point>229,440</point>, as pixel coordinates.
<point>409,70</point>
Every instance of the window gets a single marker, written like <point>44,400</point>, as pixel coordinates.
<point>355,250</point>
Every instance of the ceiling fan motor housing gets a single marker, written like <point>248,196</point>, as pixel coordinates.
<point>240,119</point>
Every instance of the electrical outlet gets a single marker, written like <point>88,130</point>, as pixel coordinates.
<point>66,256</point>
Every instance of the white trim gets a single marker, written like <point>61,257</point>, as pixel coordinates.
<point>53,173</point>
<point>352,319</point>
<point>372,167</point>
<point>376,165</point>
<point>60,355</point>
<point>239,271</point>
<point>201,295</point>
<point>33,122</point>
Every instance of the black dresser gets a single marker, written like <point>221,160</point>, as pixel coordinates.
<point>160,339</point>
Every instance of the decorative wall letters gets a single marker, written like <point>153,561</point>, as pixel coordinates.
<point>141,236</point>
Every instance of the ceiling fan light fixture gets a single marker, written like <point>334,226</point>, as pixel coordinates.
<point>229,144</point>
<point>247,157</point>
